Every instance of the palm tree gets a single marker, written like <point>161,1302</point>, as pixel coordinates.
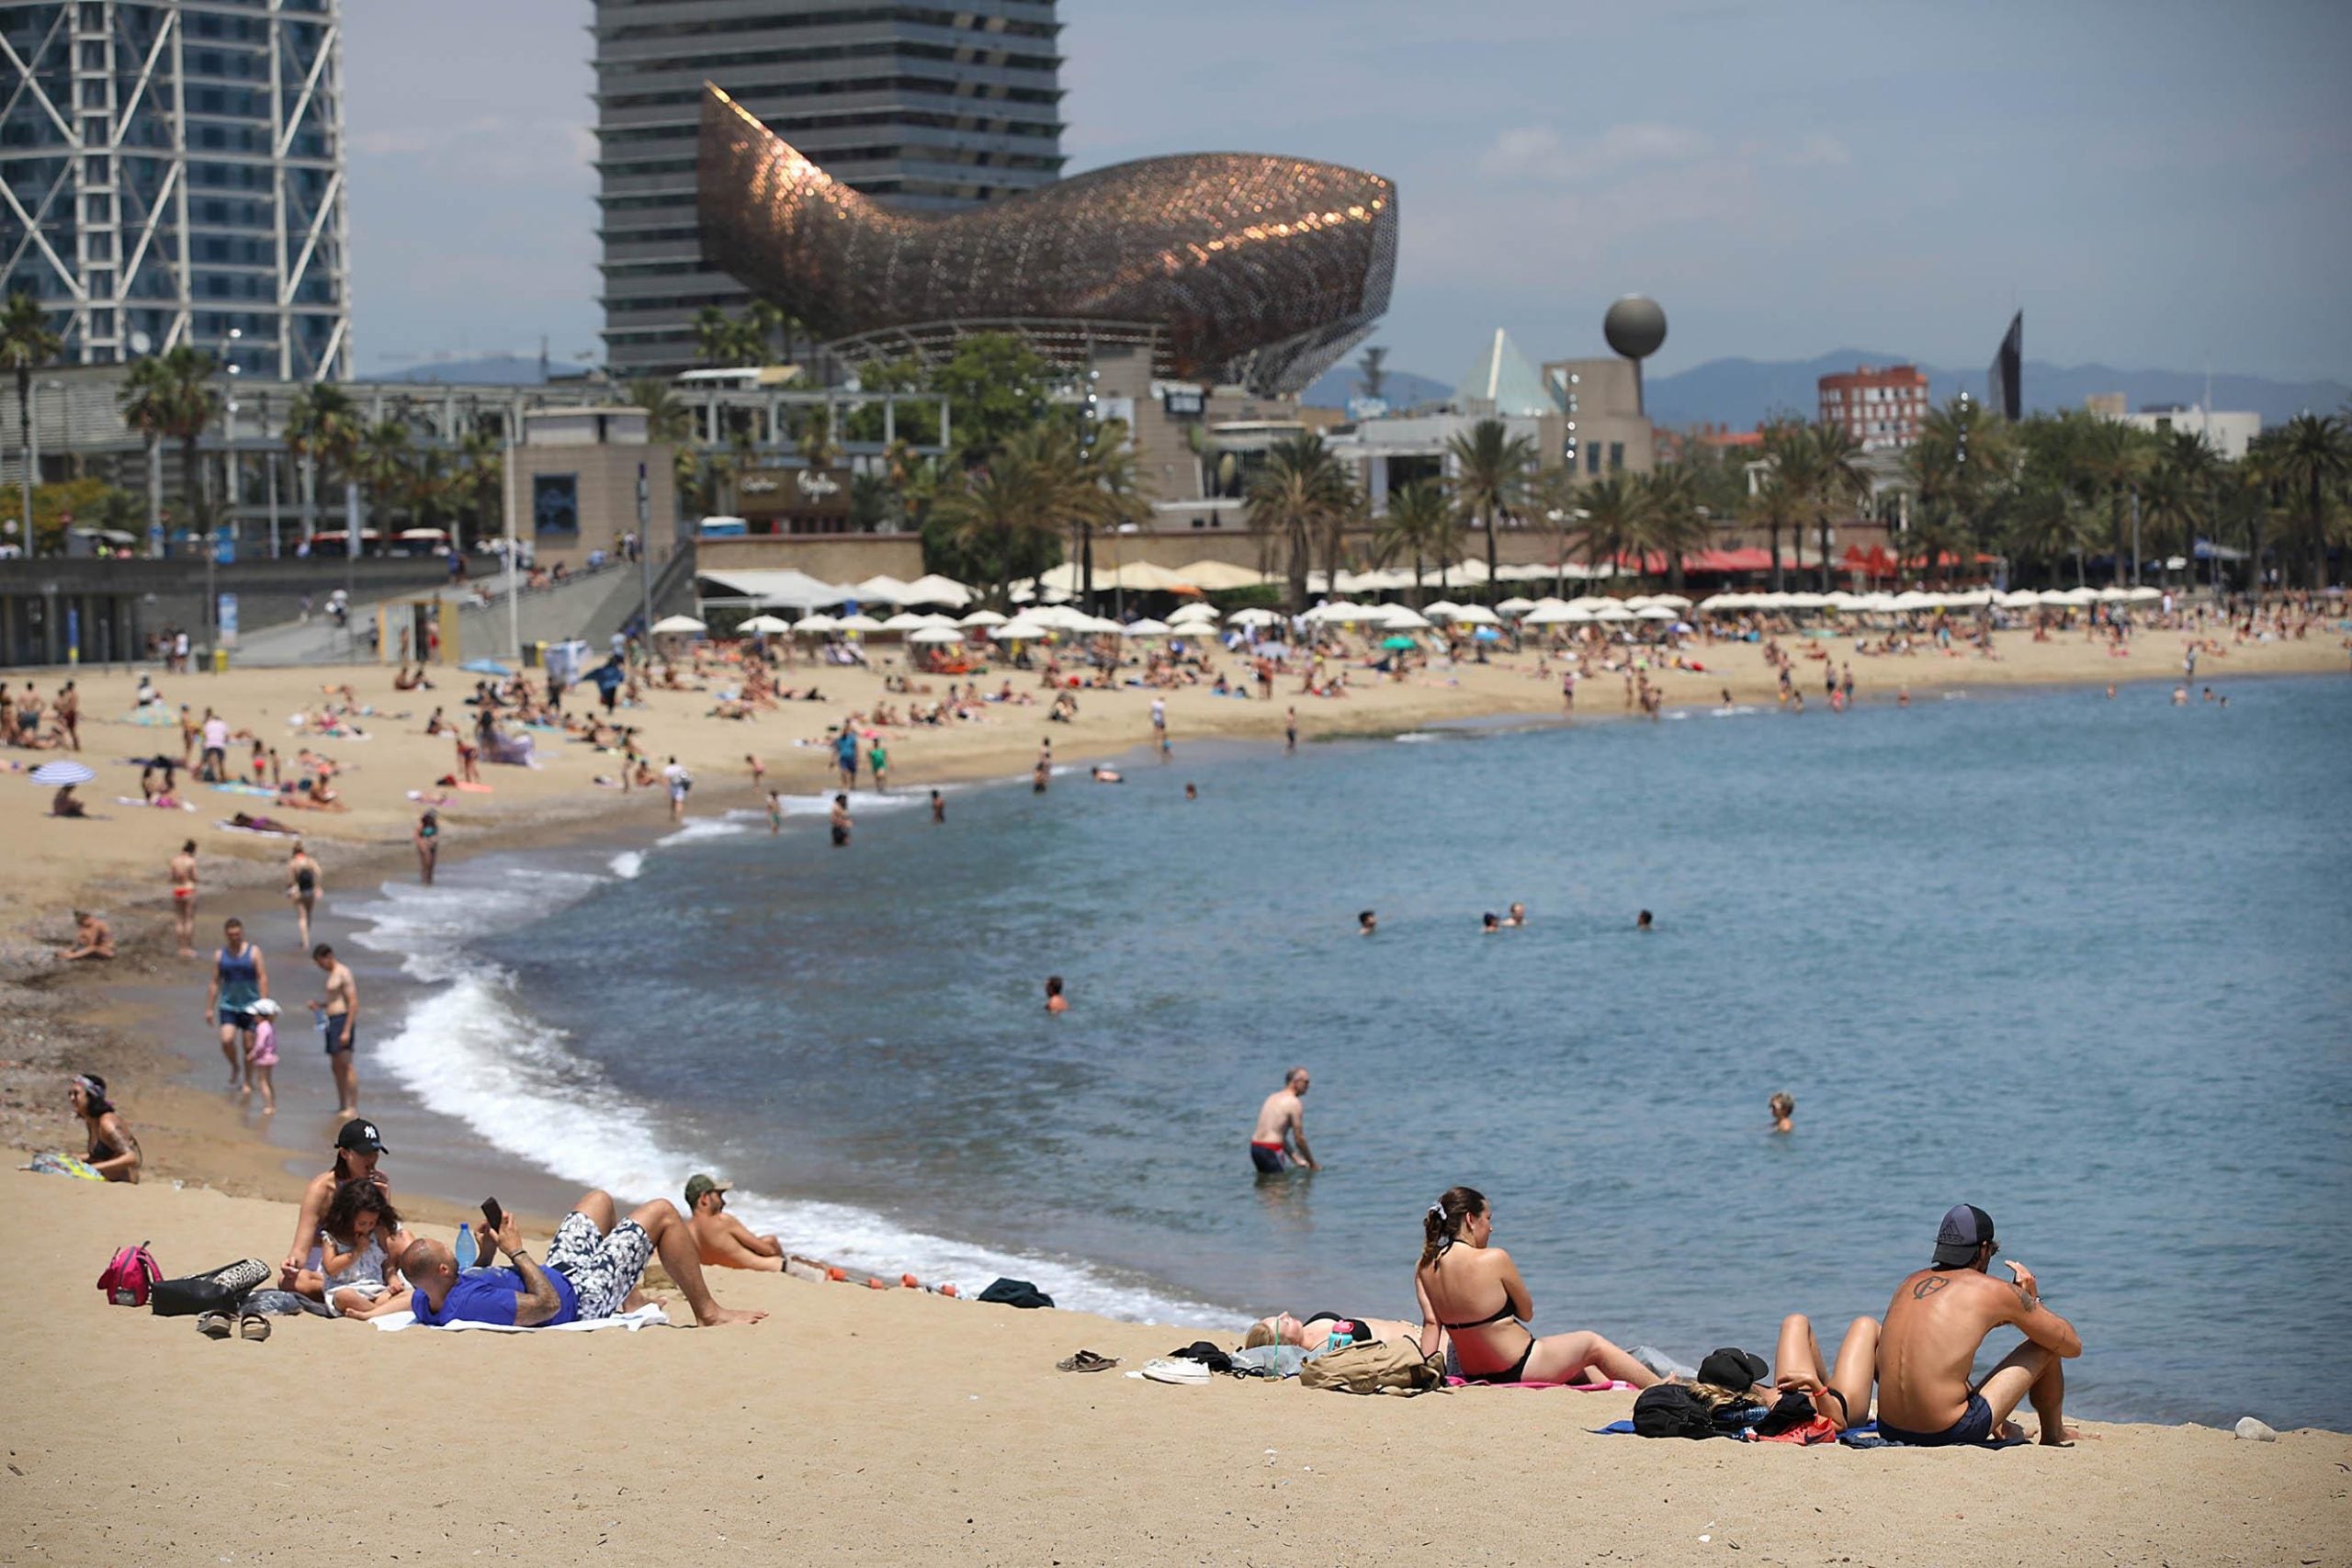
<point>2048,523</point>
<point>26,345</point>
<point>1492,468</point>
<point>1294,496</point>
<point>2176,498</point>
<point>2310,458</point>
<point>1673,523</point>
<point>1777,502</point>
<point>1834,481</point>
<point>1611,523</point>
<point>322,429</point>
<point>168,397</point>
<point>386,467</point>
<point>1419,521</point>
<point>483,484</point>
<point>714,336</point>
<point>2113,457</point>
<point>1004,516</point>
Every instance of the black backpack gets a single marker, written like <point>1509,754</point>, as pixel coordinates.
<point>1670,1410</point>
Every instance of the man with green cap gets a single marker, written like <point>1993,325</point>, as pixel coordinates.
<point>724,1241</point>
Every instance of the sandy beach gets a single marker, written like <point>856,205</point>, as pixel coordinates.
<point>861,1425</point>
<point>854,1424</point>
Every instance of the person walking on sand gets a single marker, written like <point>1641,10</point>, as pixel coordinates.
<point>240,980</point>
<point>302,887</point>
<point>183,874</point>
<point>68,715</point>
<point>877,763</point>
<point>759,771</point>
<point>261,1055</point>
<point>338,1015</point>
<point>840,821</point>
<point>428,839</point>
<point>1940,1318</point>
<point>1280,1135</point>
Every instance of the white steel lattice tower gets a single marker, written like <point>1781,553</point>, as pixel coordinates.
<point>173,171</point>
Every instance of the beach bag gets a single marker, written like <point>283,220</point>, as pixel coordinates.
<point>1670,1410</point>
<point>130,1277</point>
<point>217,1290</point>
<point>1379,1367</point>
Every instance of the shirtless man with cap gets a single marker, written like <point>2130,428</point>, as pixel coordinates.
<point>1940,1317</point>
<point>724,1241</point>
<point>1281,1123</point>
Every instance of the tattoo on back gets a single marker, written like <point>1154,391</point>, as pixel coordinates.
<point>1929,1287</point>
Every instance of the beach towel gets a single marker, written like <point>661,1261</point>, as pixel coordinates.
<point>1580,1387</point>
<point>262,790</point>
<point>56,1163</point>
<point>157,804</point>
<point>644,1316</point>
<point>418,794</point>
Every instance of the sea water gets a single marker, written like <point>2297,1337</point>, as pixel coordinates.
<point>2085,962</point>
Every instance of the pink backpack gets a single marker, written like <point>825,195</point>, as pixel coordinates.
<point>130,1277</point>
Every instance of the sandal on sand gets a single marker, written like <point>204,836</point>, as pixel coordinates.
<point>212,1324</point>
<point>254,1326</point>
<point>1087,1361</point>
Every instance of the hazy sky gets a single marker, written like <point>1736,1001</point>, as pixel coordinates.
<point>2156,184</point>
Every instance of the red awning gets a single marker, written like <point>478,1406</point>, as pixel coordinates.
<point>1752,558</point>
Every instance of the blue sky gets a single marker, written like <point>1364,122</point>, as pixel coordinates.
<point>2156,184</point>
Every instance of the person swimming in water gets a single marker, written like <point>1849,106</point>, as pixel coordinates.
<point>1055,1001</point>
<point>1366,923</point>
<point>1783,1106</point>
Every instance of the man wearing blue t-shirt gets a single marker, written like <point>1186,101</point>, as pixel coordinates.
<point>592,1270</point>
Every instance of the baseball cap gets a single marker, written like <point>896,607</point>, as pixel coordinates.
<point>360,1135</point>
<point>1733,1368</point>
<point>1966,1227</point>
<point>699,1184</point>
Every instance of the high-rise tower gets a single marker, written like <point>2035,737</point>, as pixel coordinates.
<point>173,173</point>
<point>932,108</point>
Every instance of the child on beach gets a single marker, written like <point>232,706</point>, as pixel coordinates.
<point>261,1053</point>
<point>775,812</point>
<point>353,1251</point>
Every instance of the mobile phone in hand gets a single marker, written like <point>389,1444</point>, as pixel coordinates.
<point>493,1215</point>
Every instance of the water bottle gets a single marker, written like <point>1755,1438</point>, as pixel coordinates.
<point>465,1253</point>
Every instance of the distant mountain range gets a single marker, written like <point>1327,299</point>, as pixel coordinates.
<point>490,370</point>
<point>1738,393</point>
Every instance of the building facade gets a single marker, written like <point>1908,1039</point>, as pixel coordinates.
<point>2229,432</point>
<point>1881,409</point>
<point>174,175</point>
<point>1604,430</point>
<point>924,109</point>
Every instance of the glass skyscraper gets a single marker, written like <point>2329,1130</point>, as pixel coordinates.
<point>174,175</point>
<point>924,108</point>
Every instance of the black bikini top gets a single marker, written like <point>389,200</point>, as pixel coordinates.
<point>1497,1316</point>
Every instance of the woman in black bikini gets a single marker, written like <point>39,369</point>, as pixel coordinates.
<point>1842,1397</point>
<point>114,1151</point>
<point>1471,1290</point>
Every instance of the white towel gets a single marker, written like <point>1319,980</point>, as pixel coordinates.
<point>644,1316</point>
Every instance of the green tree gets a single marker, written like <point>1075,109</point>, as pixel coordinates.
<point>1421,523</point>
<point>1674,524</point>
<point>2050,522</point>
<point>2310,460</point>
<point>995,384</point>
<point>386,470</point>
<point>2176,498</point>
<point>1001,521</point>
<point>1294,497</point>
<point>26,345</point>
<point>1836,484</point>
<point>168,397</point>
<point>716,337</point>
<point>322,431</point>
<point>2111,458</point>
<point>1492,472</point>
<point>1611,523</point>
<point>1778,502</point>
<point>78,504</point>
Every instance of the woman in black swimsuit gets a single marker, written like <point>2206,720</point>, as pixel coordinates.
<point>302,887</point>
<point>1315,1330</point>
<point>1843,1395</point>
<point>114,1151</point>
<point>1461,1273</point>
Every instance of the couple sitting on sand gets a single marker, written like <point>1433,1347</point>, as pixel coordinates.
<point>351,1251</point>
<point>1472,1300</point>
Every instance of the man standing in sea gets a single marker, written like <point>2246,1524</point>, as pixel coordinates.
<point>1281,1133</point>
<point>338,1013</point>
<point>845,754</point>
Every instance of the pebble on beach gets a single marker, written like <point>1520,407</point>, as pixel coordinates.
<point>2254,1432</point>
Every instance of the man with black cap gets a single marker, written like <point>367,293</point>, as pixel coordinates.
<point>724,1241</point>
<point>1934,1326</point>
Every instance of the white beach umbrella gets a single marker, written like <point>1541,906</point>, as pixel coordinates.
<point>64,771</point>
<point>1021,628</point>
<point>811,625</point>
<point>983,618</point>
<point>905,621</point>
<point>2022,598</point>
<point>1062,618</point>
<point>1614,611</point>
<point>765,625</point>
<point>1671,601</point>
<point>1515,605</point>
<point>1444,609</point>
<point>880,589</point>
<point>860,622</point>
<point>2057,598</point>
<point>935,634</point>
<point>2111,595</point>
<point>1553,615</point>
<point>1255,615</point>
<point>1477,615</point>
<point>2143,594</point>
<point>933,588</point>
<point>668,625</point>
<point>1146,627</point>
<point>1716,604</point>
<point>1191,614</point>
<point>1655,613</point>
<point>1400,619</point>
<point>1911,599</point>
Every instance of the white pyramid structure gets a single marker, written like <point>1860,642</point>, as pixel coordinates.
<point>1503,384</point>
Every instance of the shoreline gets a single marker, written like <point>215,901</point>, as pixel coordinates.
<point>120,1019</point>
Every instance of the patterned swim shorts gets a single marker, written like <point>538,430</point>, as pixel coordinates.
<point>603,1268</point>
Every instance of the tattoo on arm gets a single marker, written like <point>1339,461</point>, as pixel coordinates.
<point>2026,1300</point>
<point>1929,1287</point>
